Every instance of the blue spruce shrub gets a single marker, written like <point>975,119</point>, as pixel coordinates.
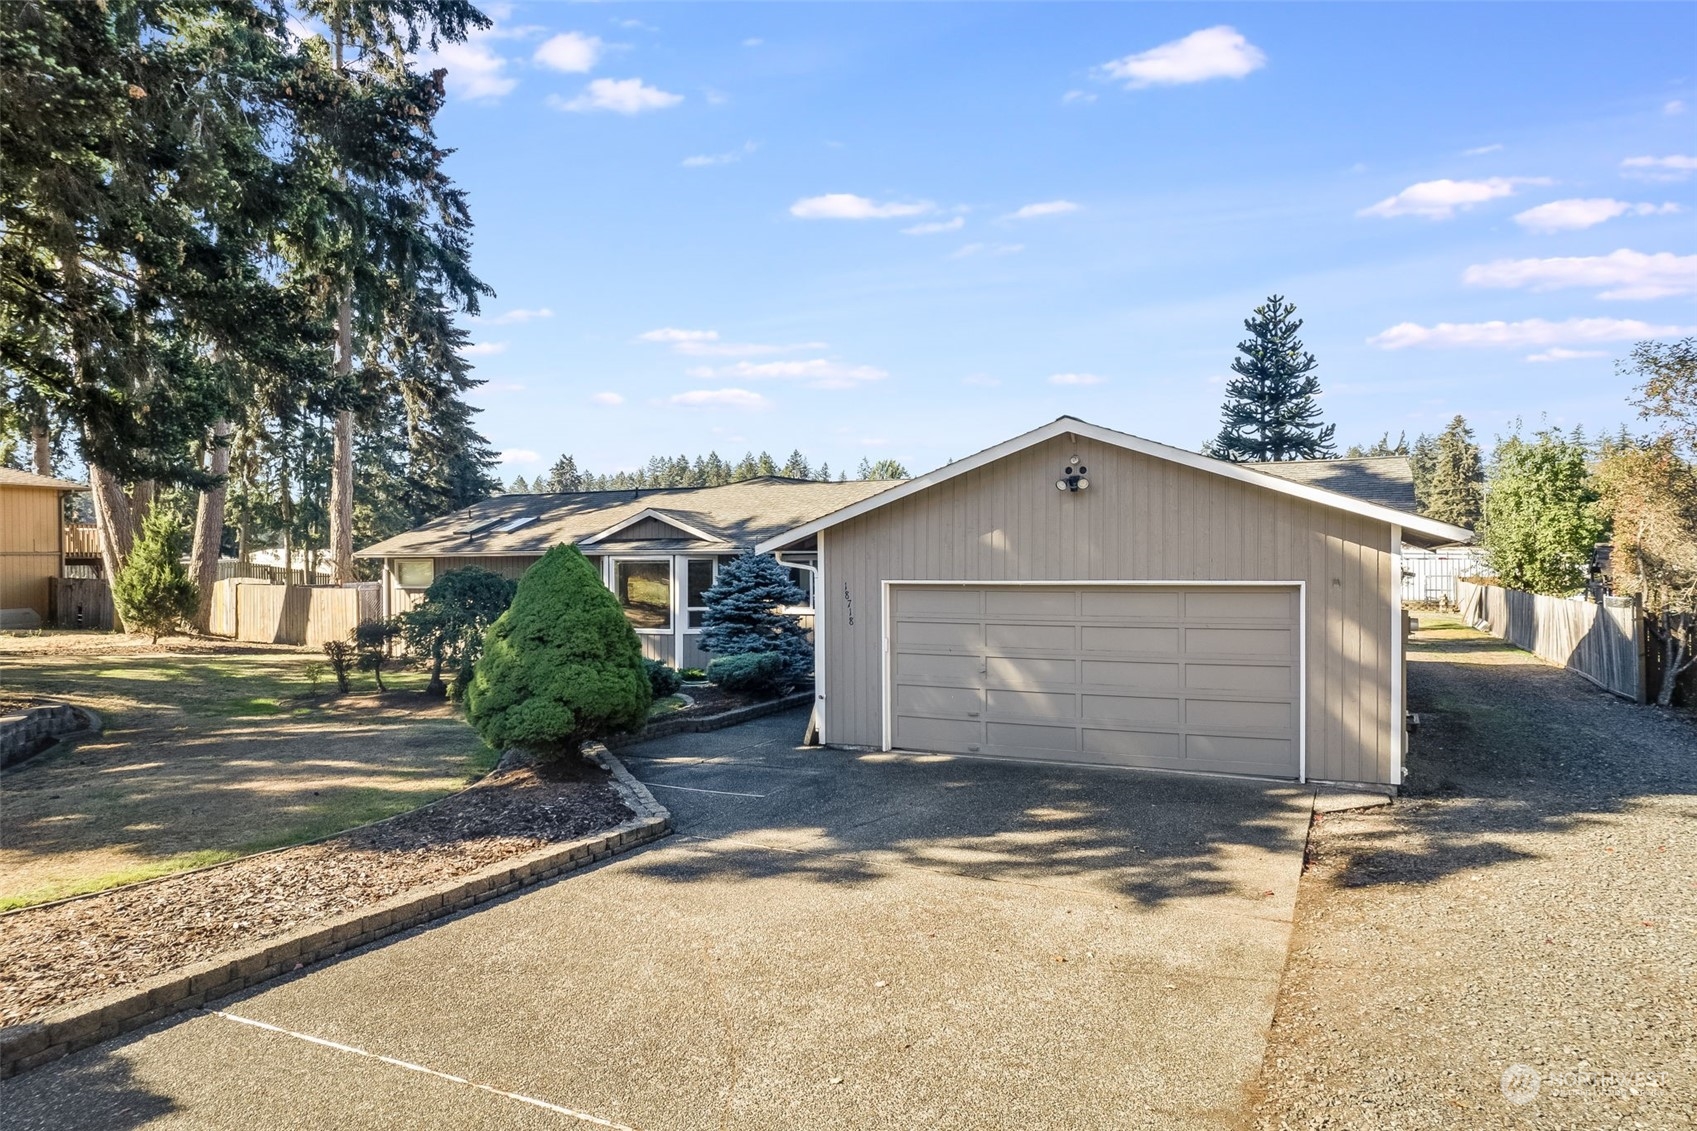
<point>562,666</point>
<point>742,615</point>
<point>757,673</point>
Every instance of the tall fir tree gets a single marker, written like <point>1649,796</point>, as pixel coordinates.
<point>1449,476</point>
<point>1271,411</point>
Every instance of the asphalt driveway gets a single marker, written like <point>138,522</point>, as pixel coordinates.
<point>831,940</point>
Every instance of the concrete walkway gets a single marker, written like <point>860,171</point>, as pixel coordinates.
<point>832,940</point>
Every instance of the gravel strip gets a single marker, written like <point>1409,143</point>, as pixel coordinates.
<point>53,956</point>
<point>1532,901</point>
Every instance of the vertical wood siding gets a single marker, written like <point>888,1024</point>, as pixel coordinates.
<point>1142,519</point>
<point>30,521</point>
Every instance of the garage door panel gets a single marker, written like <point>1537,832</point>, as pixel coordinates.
<point>1148,748</point>
<point>937,668</point>
<point>1030,736</point>
<point>956,635</point>
<point>1031,637</point>
<point>917,699</point>
<point>1110,638</point>
<point>1031,704</point>
<point>1245,714</point>
<point>1263,678</point>
<point>1130,603</point>
<point>1167,677</point>
<point>1028,671</point>
<point>958,735</point>
<point>1236,604</point>
<point>1031,602</point>
<point>1146,709</point>
<point>1132,674</point>
<point>1238,641</point>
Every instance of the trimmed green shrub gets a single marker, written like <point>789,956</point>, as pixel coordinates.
<point>371,640</point>
<point>757,673</point>
<point>450,623</point>
<point>152,592</point>
<point>662,680</point>
<point>696,674</point>
<point>561,667</point>
<point>743,614</point>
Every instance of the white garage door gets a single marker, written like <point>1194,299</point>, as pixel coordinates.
<point>1167,677</point>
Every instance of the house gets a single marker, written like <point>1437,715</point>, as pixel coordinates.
<point>1077,594</point>
<point>33,547</point>
<point>658,550</point>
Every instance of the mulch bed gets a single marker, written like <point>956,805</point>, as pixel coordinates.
<point>711,700</point>
<point>55,955</point>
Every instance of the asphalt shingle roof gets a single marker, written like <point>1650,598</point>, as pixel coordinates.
<point>1386,480</point>
<point>13,478</point>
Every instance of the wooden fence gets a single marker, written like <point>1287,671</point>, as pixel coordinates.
<point>1602,642</point>
<point>80,602</point>
<point>255,610</point>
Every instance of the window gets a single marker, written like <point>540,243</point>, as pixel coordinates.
<point>803,579</point>
<point>700,580</point>
<point>414,573</point>
<point>645,591</point>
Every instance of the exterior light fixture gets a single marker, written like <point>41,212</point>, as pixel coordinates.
<point>1072,477</point>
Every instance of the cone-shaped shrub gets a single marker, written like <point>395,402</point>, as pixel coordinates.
<point>152,591</point>
<point>561,666</point>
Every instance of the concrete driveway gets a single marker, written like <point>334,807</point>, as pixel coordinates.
<point>832,940</point>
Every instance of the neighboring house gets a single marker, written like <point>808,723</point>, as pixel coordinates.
<point>1176,613</point>
<point>32,543</point>
<point>658,550</point>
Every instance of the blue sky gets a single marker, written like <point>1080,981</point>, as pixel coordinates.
<point>916,230</point>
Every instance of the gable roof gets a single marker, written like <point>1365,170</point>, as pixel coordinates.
<point>13,478</point>
<point>1416,528</point>
<point>727,519</point>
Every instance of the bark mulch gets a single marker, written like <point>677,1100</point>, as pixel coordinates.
<point>55,955</point>
<point>711,700</point>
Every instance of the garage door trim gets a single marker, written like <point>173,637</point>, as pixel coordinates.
<point>1301,587</point>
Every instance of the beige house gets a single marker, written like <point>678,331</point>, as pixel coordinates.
<point>1078,594</point>
<point>33,546</point>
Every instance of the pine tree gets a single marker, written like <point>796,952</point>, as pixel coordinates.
<point>743,614</point>
<point>518,486</point>
<point>796,466</point>
<point>1448,486</point>
<point>1380,447</point>
<point>564,476</point>
<point>1271,412</point>
<point>152,591</point>
<point>824,473</point>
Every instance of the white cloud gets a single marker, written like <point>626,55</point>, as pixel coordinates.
<point>752,42</point>
<point>515,317</point>
<point>484,349</point>
<point>1440,200</point>
<point>520,455</point>
<point>706,343</point>
<point>571,52</point>
<point>1072,96</point>
<point>672,334</point>
<point>848,206</point>
<point>475,72</point>
<point>721,398</point>
<point>705,160</point>
<point>1046,208</point>
<point>621,96</point>
<point>1481,150</point>
<point>1675,167</point>
<point>611,400</point>
<point>1626,274</point>
<point>1076,379</point>
<point>817,372</point>
<point>1212,53</point>
<point>1533,333</point>
<point>1574,215</point>
<point>935,226</point>
<point>967,251</point>
<point>1673,106</point>
<point>1560,353</point>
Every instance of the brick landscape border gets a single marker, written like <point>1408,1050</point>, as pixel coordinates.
<point>28,732</point>
<point>666,727</point>
<point>28,1046</point>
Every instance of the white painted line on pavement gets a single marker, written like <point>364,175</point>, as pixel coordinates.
<point>694,789</point>
<point>583,1116</point>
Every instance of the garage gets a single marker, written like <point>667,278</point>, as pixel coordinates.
<point>1158,676</point>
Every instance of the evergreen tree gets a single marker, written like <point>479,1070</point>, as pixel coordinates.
<point>882,469</point>
<point>1271,412</point>
<point>1539,528</point>
<point>561,666</point>
<point>796,466</point>
<point>743,614</point>
<point>1447,486</point>
<point>152,591</point>
<point>518,486</point>
<point>824,473</point>
<point>1380,447</point>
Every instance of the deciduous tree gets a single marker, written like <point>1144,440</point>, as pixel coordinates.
<point>1540,528</point>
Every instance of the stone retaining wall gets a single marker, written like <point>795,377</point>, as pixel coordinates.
<point>27,733</point>
<point>24,1047</point>
<point>663,728</point>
